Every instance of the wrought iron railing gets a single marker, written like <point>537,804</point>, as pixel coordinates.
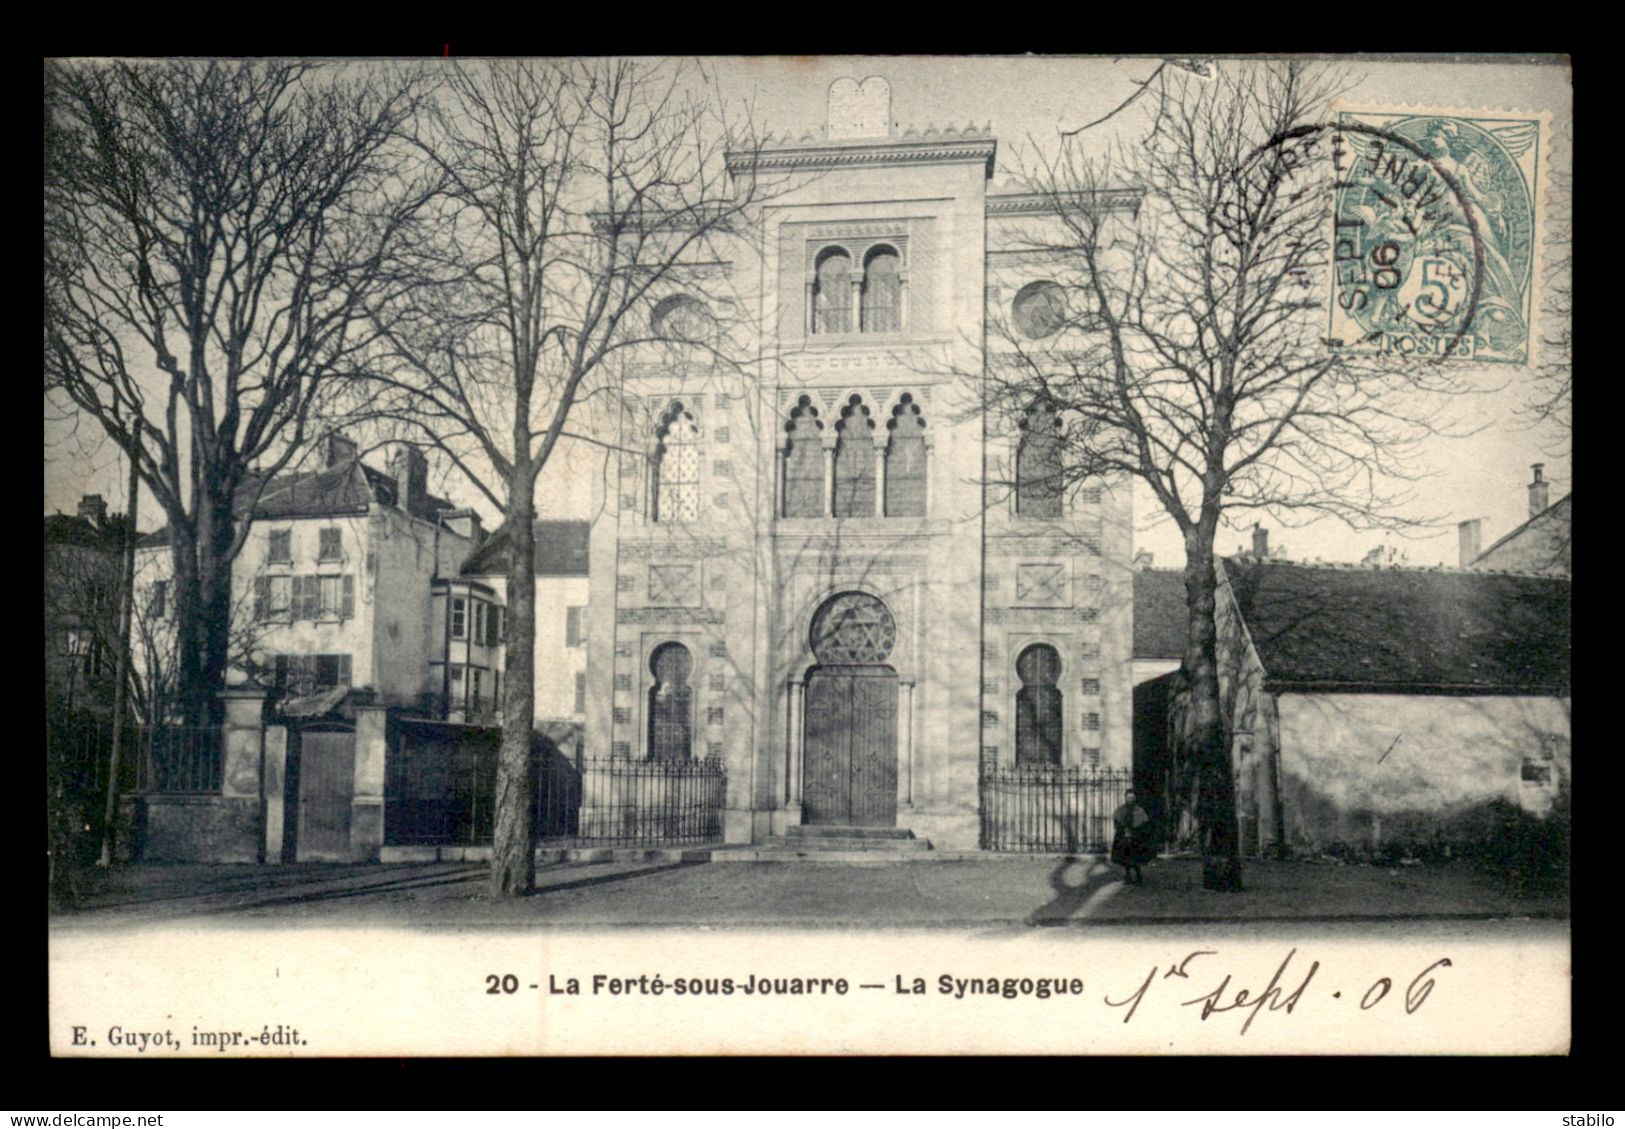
<point>440,786</point>
<point>657,802</point>
<point>1050,809</point>
<point>180,759</point>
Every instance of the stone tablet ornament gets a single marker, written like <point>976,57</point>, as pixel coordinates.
<point>859,110</point>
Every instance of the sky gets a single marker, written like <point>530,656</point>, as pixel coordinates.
<point>1027,100</point>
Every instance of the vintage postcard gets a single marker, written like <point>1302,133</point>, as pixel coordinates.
<point>835,555</point>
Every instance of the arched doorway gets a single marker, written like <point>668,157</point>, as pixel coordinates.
<point>850,775</point>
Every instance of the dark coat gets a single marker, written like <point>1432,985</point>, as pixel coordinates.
<point>1131,842</point>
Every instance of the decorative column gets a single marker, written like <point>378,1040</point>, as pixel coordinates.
<point>782,480</point>
<point>810,322</point>
<point>794,705</point>
<point>829,474</point>
<point>930,465</point>
<point>905,711</point>
<point>880,479</point>
<point>902,301</point>
<point>855,323</point>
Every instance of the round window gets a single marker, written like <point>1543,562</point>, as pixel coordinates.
<point>1039,309</point>
<point>853,627</point>
<point>681,317</point>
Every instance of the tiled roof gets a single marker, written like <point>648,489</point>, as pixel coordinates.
<point>69,529</point>
<point>349,487</point>
<point>1559,512</point>
<point>561,550</point>
<point>1161,619</point>
<point>1405,630</point>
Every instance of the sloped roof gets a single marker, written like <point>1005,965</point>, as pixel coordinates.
<point>70,529</point>
<point>1161,619</point>
<point>347,487</point>
<point>1404,630</point>
<point>1559,512</point>
<point>561,550</point>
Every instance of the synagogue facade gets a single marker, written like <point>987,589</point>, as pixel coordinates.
<point>827,568</point>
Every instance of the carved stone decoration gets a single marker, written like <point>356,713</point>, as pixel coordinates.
<point>671,617</point>
<point>677,548</point>
<point>1042,584</point>
<point>674,585</point>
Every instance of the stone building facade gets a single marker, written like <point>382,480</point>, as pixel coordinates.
<point>827,568</point>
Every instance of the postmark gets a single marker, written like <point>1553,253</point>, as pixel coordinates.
<point>1436,234</point>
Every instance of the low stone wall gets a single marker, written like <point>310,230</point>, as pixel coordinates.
<point>189,829</point>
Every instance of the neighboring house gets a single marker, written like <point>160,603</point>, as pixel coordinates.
<point>82,555</point>
<point>1389,707</point>
<point>1161,622</point>
<point>331,589</point>
<point>478,596</point>
<point>867,605</point>
<point>1539,545</point>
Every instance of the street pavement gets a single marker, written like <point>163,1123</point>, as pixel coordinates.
<point>1025,893</point>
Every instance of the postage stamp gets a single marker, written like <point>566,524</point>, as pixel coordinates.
<point>1437,233</point>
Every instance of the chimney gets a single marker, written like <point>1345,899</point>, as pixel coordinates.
<point>410,467</point>
<point>340,450</point>
<point>1537,489</point>
<point>464,523</point>
<point>1470,534</point>
<point>1261,542</point>
<point>93,508</point>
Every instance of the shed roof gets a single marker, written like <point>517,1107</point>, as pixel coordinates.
<point>1161,618</point>
<point>561,550</point>
<point>1382,630</point>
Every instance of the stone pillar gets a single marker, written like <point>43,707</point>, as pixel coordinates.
<point>367,799</point>
<point>905,720</point>
<point>829,476</point>
<point>880,480</point>
<point>241,746</point>
<point>902,301</point>
<point>274,780</point>
<point>795,703</point>
<point>855,311</point>
<point>811,324</point>
<point>930,466</point>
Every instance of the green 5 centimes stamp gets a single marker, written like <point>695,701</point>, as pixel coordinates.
<point>1436,234</point>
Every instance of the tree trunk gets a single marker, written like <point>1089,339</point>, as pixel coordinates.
<point>513,847</point>
<point>1204,735</point>
<point>202,608</point>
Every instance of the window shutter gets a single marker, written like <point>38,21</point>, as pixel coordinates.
<point>262,598</point>
<point>348,611</point>
<point>572,627</point>
<point>344,669</point>
<point>311,606</point>
<point>581,692</point>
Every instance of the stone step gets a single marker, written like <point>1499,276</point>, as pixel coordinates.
<point>831,831</point>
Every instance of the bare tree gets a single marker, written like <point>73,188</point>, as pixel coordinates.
<point>578,194</point>
<point>215,233</point>
<point>1551,398</point>
<point>1185,347</point>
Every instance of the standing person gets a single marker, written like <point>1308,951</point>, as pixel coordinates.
<point>1131,839</point>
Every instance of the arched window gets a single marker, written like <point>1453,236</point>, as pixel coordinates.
<point>1039,480</point>
<point>855,461</point>
<point>905,460</point>
<point>804,462</point>
<point>671,704</point>
<point>832,292</point>
<point>1038,707</point>
<point>882,304</point>
<point>677,467</point>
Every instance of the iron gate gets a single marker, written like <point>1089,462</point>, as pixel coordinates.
<point>1050,808</point>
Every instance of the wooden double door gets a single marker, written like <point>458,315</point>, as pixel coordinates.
<point>850,752</point>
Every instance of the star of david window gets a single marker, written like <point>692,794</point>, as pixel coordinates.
<point>853,628</point>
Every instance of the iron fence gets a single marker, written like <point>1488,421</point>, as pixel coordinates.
<point>440,786</point>
<point>180,758</point>
<point>1050,808</point>
<point>653,803</point>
